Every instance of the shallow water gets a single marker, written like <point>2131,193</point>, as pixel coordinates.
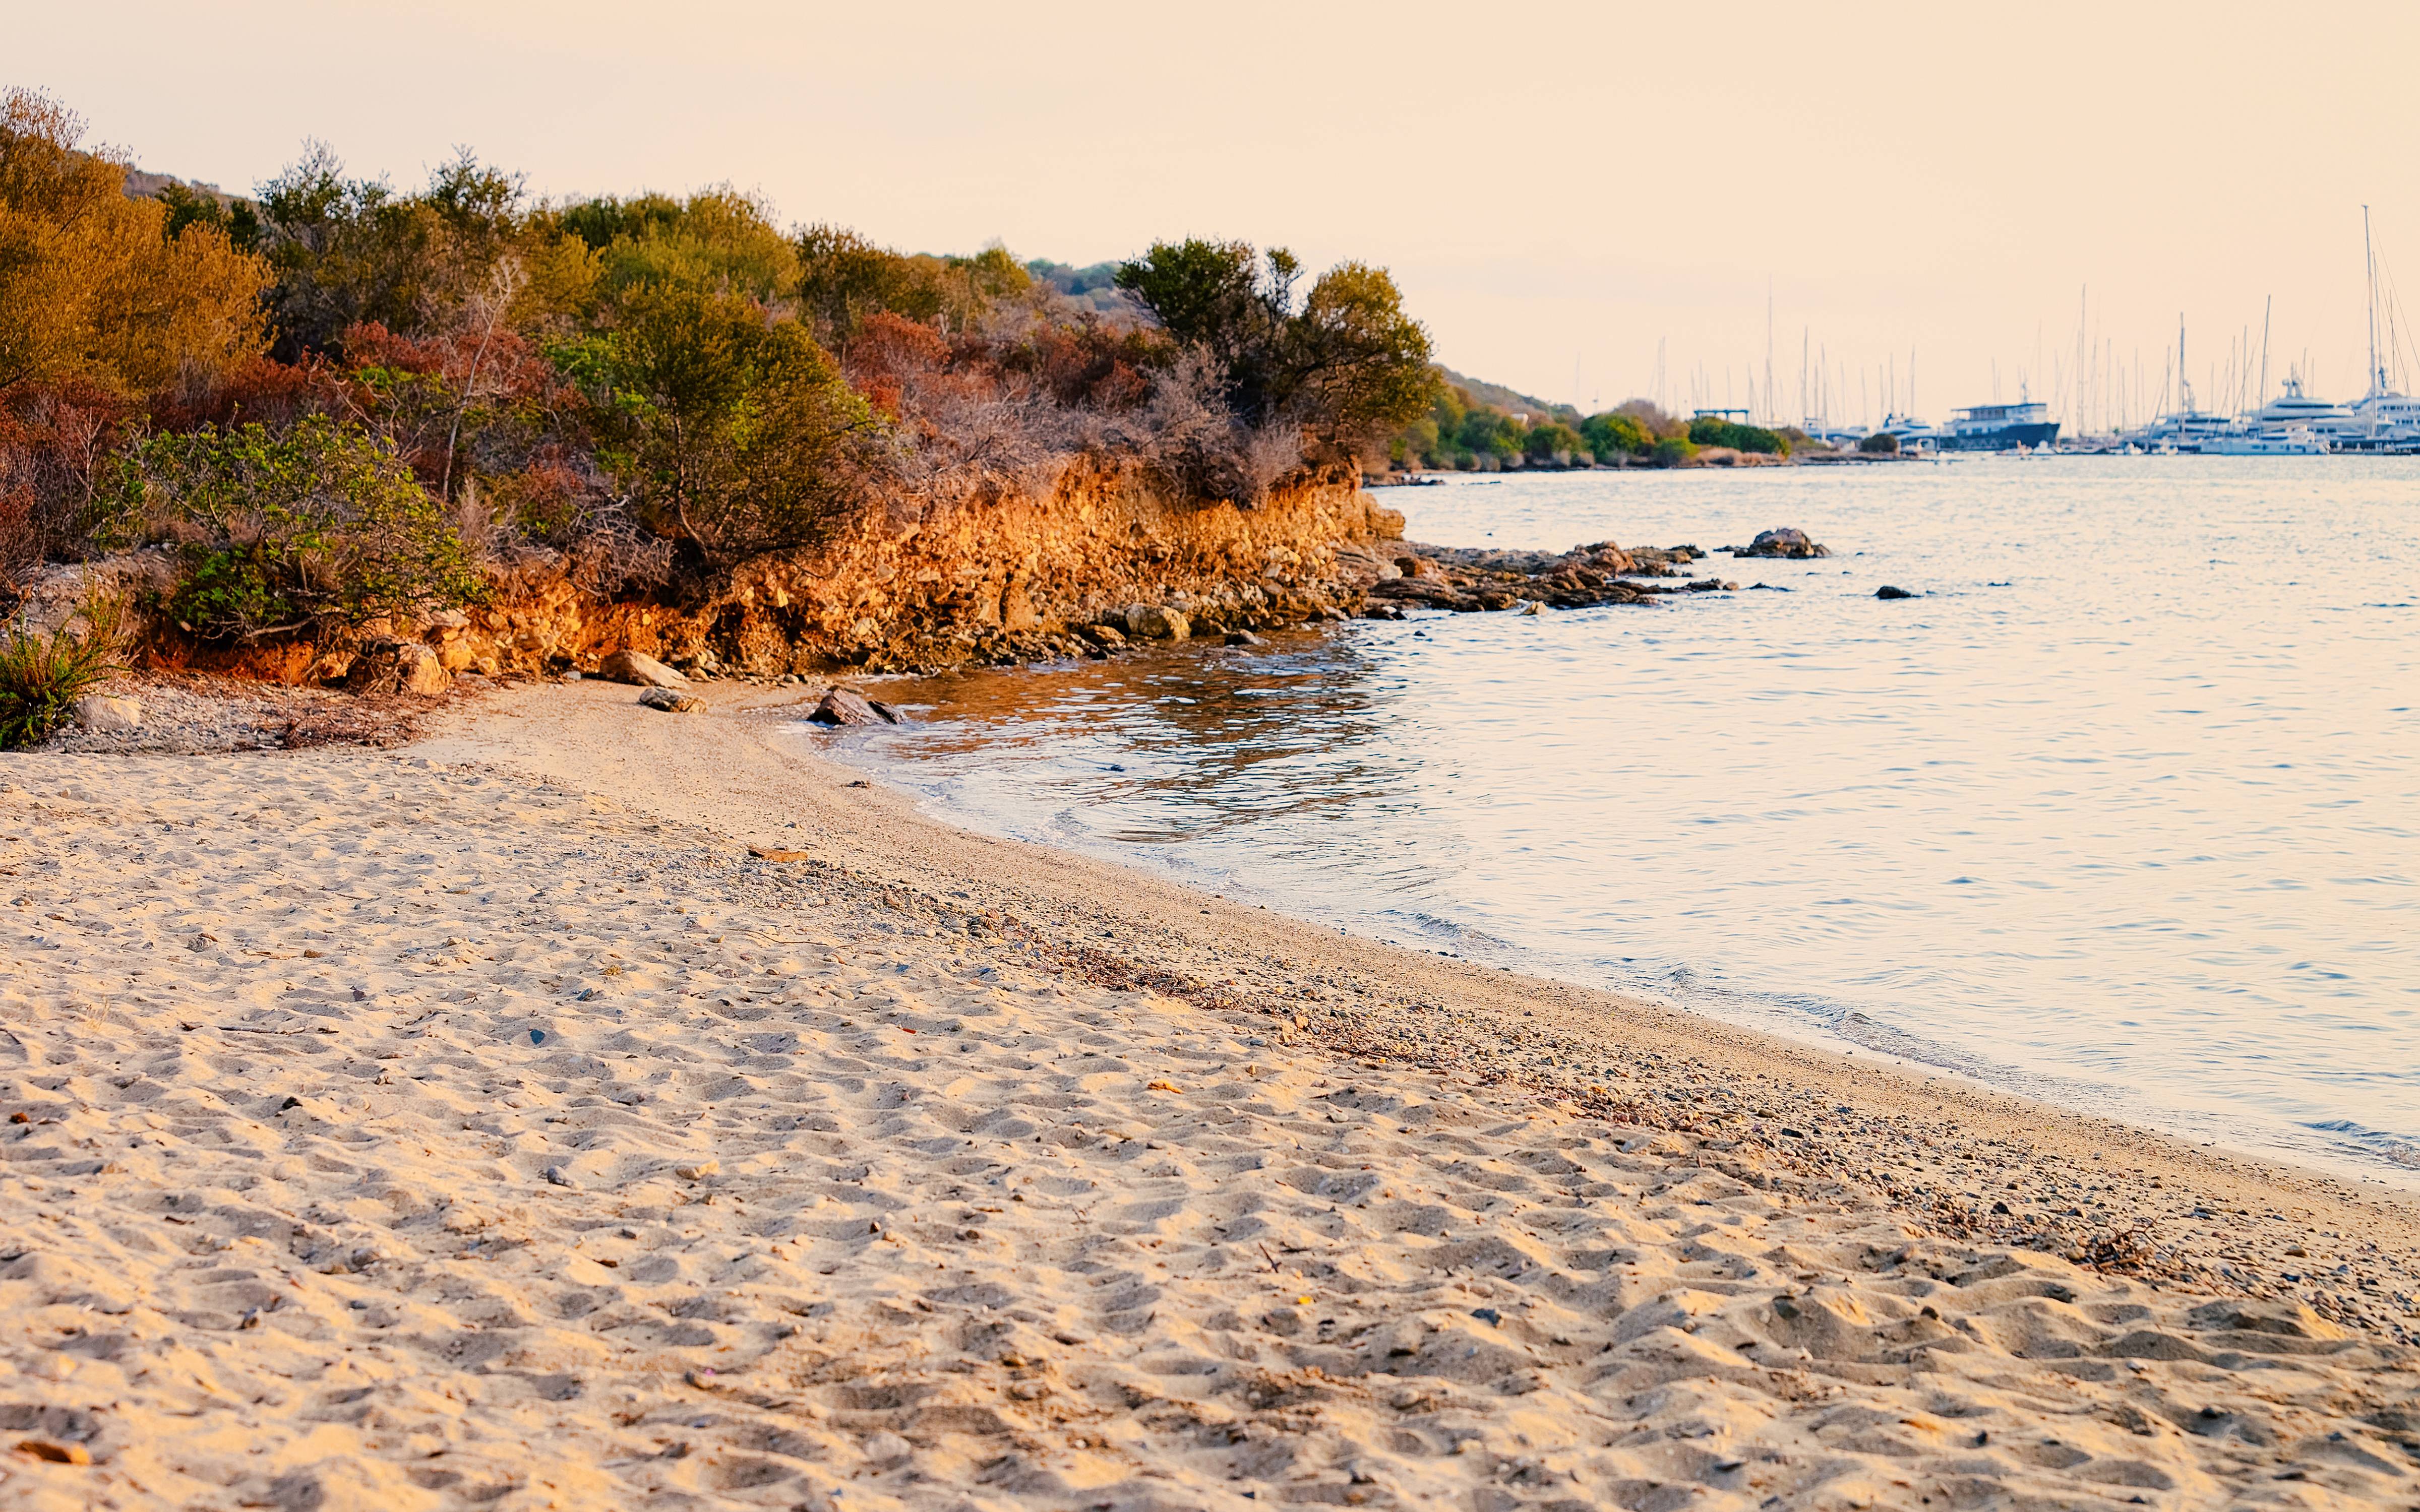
<point>2119,813</point>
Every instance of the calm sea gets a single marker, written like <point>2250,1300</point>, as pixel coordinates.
<point>2122,812</point>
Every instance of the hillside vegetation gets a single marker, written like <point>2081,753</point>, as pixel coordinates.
<point>336,404</point>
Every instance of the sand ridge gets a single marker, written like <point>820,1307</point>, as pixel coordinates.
<point>470,1127</point>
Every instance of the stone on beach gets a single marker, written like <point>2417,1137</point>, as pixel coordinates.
<point>628,666</point>
<point>845,705</point>
<point>106,715</point>
<point>670,701</point>
<point>388,666</point>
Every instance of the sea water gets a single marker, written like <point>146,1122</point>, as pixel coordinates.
<point>2122,811</point>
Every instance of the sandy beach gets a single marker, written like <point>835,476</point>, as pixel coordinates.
<point>584,1106</point>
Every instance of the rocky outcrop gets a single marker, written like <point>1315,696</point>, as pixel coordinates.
<point>1784,542</point>
<point>1469,579</point>
<point>1018,579</point>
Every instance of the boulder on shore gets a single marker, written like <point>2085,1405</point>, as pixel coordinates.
<point>671,701</point>
<point>1157,622</point>
<point>397,667</point>
<point>845,705</point>
<point>1783,541</point>
<point>109,716</point>
<point>637,667</point>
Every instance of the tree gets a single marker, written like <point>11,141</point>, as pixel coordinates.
<point>736,430</point>
<point>718,241</point>
<point>351,252</point>
<point>1347,367</point>
<point>844,279</point>
<point>98,287</point>
<point>1359,366</point>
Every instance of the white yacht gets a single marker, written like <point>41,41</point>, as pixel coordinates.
<point>2282,441</point>
<point>2296,410</point>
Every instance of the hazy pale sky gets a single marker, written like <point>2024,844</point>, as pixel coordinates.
<point>1560,189</point>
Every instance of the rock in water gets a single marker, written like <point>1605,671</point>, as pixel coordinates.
<point>108,715</point>
<point>1244,638</point>
<point>639,667</point>
<point>1887,591</point>
<point>397,667</point>
<point>845,705</point>
<point>1783,541</point>
<point>669,700</point>
<point>1157,622</point>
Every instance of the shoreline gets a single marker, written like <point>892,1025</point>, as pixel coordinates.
<point>481,1123</point>
<point>1579,1014</point>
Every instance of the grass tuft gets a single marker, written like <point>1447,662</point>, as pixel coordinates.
<point>41,676</point>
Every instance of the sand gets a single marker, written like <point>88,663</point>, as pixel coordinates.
<point>480,1124</point>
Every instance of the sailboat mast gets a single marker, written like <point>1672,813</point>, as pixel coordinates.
<point>2266,310</point>
<point>2369,261</point>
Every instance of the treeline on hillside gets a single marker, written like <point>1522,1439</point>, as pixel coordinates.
<point>334,402</point>
<point>1462,432</point>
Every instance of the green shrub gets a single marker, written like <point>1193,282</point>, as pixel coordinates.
<point>736,431</point>
<point>1880,443</point>
<point>1713,430</point>
<point>42,676</point>
<point>1615,434</point>
<point>1673,450</point>
<point>314,526</point>
<point>1553,442</point>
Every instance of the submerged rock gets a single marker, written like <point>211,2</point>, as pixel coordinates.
<point>1887,591</point>
<point>627,666</point>
<point>1783,541</point>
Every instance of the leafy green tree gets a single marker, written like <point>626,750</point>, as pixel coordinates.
<point>319,525</point>
<point>1356,366</point>
<point>736,430</point>
<point>718,241</point>
<point>1673,450</point>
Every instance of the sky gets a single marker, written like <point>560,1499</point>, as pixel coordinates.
<point>1932,205</point>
